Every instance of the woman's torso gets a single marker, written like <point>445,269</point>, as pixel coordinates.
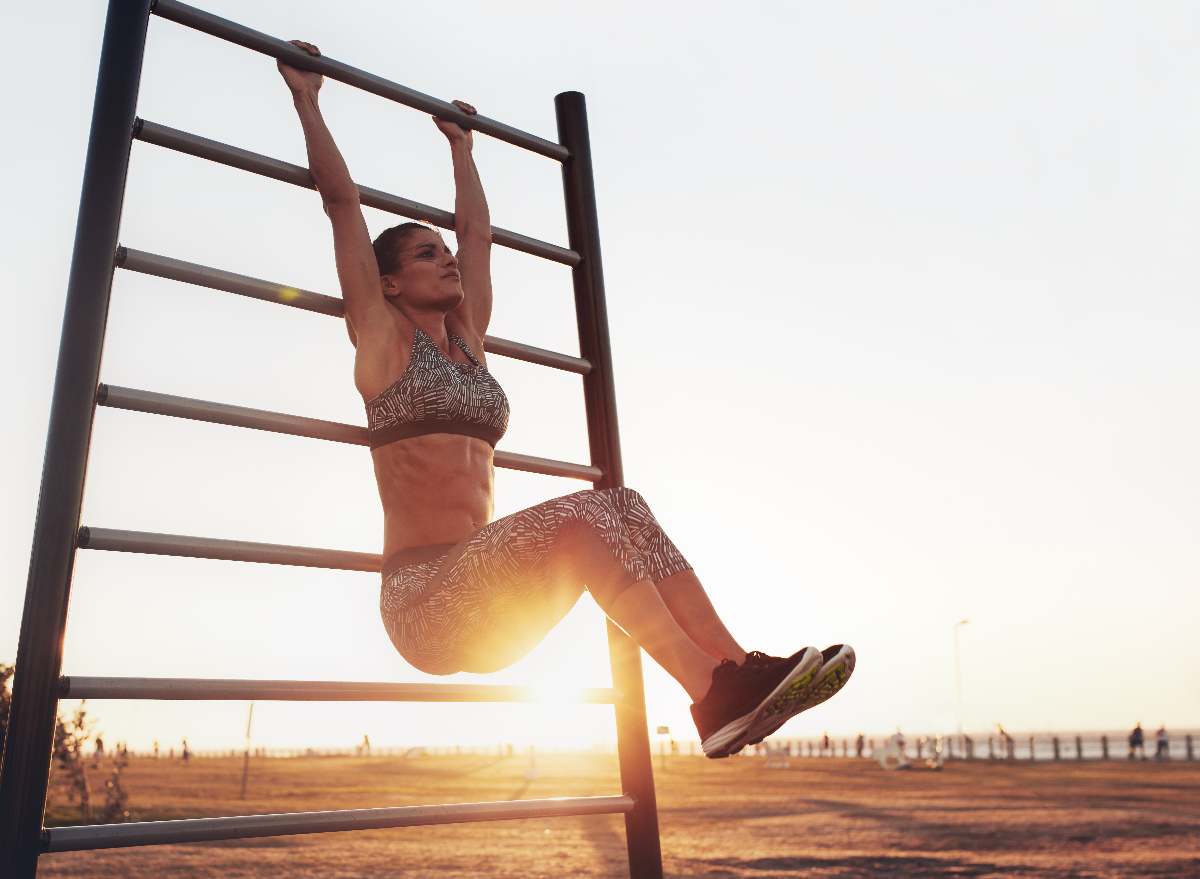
<point>433,432</point>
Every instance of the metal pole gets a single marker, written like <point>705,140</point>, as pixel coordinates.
<point>235,157</point>
<point>192,830</point>
<point>259,42</point>
<point>958,681</point>
<point>246,762</point>
<point>633,734</point>
<point>27,753</point>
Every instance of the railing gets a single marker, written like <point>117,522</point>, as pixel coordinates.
<point>1180,746</point>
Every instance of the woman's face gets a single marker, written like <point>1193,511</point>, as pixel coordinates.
<point>428,274</point>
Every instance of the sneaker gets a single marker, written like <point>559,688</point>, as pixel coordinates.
<point>742,695</point>
<point>837,664</point>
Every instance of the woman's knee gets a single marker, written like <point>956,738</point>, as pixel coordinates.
<point>589,507</point>
<point>629,503</point>
<point>625,496</point>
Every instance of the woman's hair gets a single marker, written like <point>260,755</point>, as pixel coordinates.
<point>390,242</point>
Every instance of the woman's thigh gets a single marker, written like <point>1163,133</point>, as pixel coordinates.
<point>491,599</point>
<point>497,593</point>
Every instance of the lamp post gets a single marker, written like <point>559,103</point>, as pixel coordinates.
<point>958,683</point>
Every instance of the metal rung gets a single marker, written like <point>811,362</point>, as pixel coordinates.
<point>268,291</point>
<point>116,397</point>
<point>70,839</point>
<point>203,689</point>
<point>134,400</point>
<point>235,157</point>
<point>377,85</point>
<point>150,543</point>
<point>547,467</point>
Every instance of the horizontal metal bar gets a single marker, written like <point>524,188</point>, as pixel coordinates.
<point>216,279</point>
<point>547,467</point>
<point>376,85</point>
<point>202,689</point>
<point>115,540</point>
<point>269,291</point>
<point>96,836</point>
<point>540,356</point>
<point>235,157</point>
<point>276,422</point>
<point>238,416</point>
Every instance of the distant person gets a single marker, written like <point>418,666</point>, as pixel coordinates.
<point>99,748</point>
<point>155,749</point>
<point>1162,747</point>
<point>1007,744</point>
<point>1137,741</point>
<point>186,753</point>
<point>366,745</point>
<point>859,744</point>
<point>825,746</point>
<point>460,591</point>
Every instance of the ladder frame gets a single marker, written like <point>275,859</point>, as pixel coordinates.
<point>38,683</point>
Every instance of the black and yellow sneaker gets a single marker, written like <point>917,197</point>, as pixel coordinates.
<point>837,664</point>
<point>741,696</point>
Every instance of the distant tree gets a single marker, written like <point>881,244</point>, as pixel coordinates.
<point>69,738</point>
<point>6,672</point>
<point>115,795</point>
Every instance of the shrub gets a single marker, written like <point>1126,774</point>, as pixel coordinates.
<point>6,672</point>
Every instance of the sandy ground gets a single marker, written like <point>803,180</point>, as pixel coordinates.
<point>729,818</point>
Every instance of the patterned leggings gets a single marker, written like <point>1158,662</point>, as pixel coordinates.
<point>485,602</point>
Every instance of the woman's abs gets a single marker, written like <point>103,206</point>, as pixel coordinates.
<point>435,489</point>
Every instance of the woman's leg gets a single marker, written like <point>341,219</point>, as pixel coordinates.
<point>688,603</point>
<point>641,612</point>
<point>495,596</point>
<point>677,583</point>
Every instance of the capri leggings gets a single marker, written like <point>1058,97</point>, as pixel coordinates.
<point>483,603</point>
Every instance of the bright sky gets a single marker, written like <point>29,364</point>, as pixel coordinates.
<point>903,301</point>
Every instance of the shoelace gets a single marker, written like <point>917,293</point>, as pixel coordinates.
<point>756,658</point>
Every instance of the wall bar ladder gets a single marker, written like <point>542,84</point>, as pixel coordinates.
<point>39,684</point>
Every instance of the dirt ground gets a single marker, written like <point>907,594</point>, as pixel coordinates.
<point>730,819</point>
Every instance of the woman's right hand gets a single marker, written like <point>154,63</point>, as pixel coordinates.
<point>301,81</point>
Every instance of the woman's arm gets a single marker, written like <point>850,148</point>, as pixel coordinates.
<point>472,228</point>
<point>367,314</point>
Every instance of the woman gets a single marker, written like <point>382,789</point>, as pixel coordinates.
<point>462,592</point>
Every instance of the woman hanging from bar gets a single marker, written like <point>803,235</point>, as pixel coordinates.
<point>462,592</point>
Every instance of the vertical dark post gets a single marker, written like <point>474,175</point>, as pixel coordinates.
<point>1104,747</point>
<point>1078,747</point>
<point>583,230</point>
<point>27,753</point>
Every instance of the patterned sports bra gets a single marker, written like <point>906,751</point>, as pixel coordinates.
<point>437,395</point>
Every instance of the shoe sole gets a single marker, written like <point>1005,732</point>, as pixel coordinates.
<point>832,677</point>
<point>729,739</point>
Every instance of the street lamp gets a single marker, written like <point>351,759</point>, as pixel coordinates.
<point>958,683</point>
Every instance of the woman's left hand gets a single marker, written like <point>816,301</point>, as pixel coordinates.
<point>453,131</point>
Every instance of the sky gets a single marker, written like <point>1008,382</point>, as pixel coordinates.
<point>903,300</point>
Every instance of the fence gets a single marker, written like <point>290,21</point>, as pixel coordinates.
<point>1181,746</point>
<point>39,684</point>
